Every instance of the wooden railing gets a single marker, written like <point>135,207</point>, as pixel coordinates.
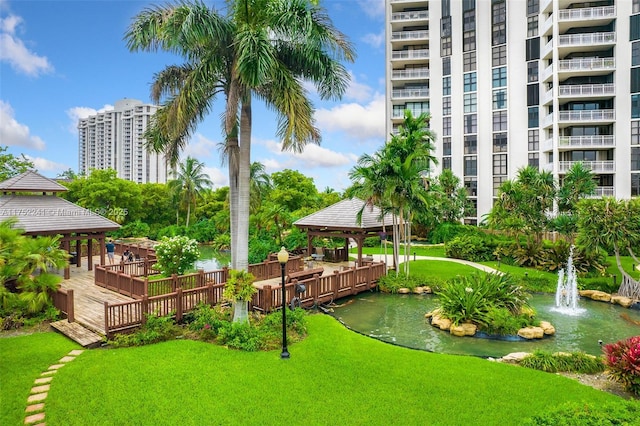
<point>318,289</point>
<point>63,301</point>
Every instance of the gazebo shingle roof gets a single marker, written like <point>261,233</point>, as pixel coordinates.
<point>48,214</point>
<point>343,216</point>
<point>31,181</point>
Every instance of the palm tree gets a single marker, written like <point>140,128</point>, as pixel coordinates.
<point>190,181</point>
<point>262,48</point>
<point>260,186</point>
<point>577,183</point>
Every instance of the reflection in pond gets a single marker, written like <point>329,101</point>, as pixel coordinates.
<point>399,319</point>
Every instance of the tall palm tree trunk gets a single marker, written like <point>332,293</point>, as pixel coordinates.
<point>242,261</point>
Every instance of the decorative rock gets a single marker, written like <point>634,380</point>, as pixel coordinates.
<point>418,290</point>
<point>427,290</point>
<point>404,290</point>
<point>514,357</point>
<point>623,301</point>
<point>442,323</point>
<point>548,328</point>
<point>463,329</point>
<point>598,295</point>
<point>531,332</point>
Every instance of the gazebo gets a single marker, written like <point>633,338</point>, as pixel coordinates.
<point>340,220</point>
<point>32,199</point>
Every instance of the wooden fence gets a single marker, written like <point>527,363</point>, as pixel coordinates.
<point>318,289</point>
<point>63,301</point>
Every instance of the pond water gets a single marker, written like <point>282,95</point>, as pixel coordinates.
<point>212,259</point>
<point>399,319</point>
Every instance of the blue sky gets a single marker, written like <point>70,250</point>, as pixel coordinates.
<point>62,60</point>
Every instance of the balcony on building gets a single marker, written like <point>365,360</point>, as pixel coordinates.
<point>410,93</point>
<point>409,54</point>
<point>591,116</point>
<point>587,65</point>
<point>587,90</point>
<point>593,16</point>
<point>411,35</point>
<point>590,40</point>
<point>605,166</point>
<point>410,16</point>
<point>586,141</point>
<point>410,74</point>
<point>603,191</point>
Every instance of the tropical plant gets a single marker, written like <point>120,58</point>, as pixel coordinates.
<point>574,362</point>
<point>190,181</point>
<point>578,183</point>
<point>261,48</point>
<point>612,225</point>
<point>10,165</point>
<point>176,254</point>
<point>623,360</point>
<point>472,298</point>
<point>239,289</point>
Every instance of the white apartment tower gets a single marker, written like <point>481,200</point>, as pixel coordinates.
<point>113,140</point>
<point>510,83</point>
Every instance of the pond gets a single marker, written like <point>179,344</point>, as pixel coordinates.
<point>212,259</point>
<point>399,319</point>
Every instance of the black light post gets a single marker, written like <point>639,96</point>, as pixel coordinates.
<point>283,258</point>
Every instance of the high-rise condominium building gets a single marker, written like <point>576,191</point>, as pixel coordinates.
<point>113,140</point>
<point>510,83</point>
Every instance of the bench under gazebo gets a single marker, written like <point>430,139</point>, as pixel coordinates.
<point>340,220</point>
<point>32,199</point>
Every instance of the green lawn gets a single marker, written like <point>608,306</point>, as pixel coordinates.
<point>334,377</point>
<point>418,249</point>
<point>22,359</point>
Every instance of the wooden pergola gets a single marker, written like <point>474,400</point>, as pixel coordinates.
<point>32,199</point>
<point>340,220</point>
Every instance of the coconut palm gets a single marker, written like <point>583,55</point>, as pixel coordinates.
<point>260,182</point>
<point>190,181</point>
<point>261,48</point>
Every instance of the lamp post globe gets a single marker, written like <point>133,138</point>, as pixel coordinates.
<point>283,258</point>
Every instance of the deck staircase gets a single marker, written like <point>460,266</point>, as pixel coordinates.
<point>76,332</point>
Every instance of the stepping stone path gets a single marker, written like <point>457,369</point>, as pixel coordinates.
<point>34,414</point>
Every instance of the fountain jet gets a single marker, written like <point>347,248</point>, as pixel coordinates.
<point>567,291</point>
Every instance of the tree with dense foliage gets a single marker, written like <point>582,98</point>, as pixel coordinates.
<point>577,184</point>
<point>176,254</point>
<point>190,180</point>
<point>260,48</point>
<point>106,194</point>
<point>612,225</point>
<point>451,197</point>
<point>26,280</point>
<point>522,205</point>
<point>10,165</point>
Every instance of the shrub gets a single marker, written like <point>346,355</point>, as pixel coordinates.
<point>587,414</point>
<point>176,254</point>
<point>240,335</point>
<point>470,298</point>
<point>132,229</point>
<point>623,360</point>
<point>155,329</point>
<point>470,247</point>
<point>447,231</point>
<point>207,321</point>
<point>391,282</point>
<point>575,362</point>
<point>501,321</point>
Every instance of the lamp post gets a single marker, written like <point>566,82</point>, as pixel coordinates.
<point>283,258</point>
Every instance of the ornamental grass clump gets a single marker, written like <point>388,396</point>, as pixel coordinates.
<point>623,360</point>
<point>176,254</point>
<point>483,299</point>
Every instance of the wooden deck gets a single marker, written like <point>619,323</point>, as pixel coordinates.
<point>89,298</point>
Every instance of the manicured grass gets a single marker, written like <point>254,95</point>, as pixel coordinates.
<point>22,360</point>
<point>335,376</point>
<point>440,269</point>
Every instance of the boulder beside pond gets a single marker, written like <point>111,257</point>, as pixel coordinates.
<point>463,330</point>
<point>531,332</point>
<point>623,301</point>
<point>548,329</point>
<point>598,295</point>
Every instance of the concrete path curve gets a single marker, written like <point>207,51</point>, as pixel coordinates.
<point>380,258</point>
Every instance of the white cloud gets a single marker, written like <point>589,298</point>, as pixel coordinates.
<point>374,39</point>
<point>373,8</point>
<point>218,177</point>
<point>312,157</point>
<point>200,146</point>
<point>44,165</point>
<point>15,134</point>
<point>78,113</point>
<point>361,122</point>
<point>358,91</point>
<point>15,53</point>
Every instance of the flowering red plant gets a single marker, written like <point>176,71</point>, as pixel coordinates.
<point>623,360</point>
